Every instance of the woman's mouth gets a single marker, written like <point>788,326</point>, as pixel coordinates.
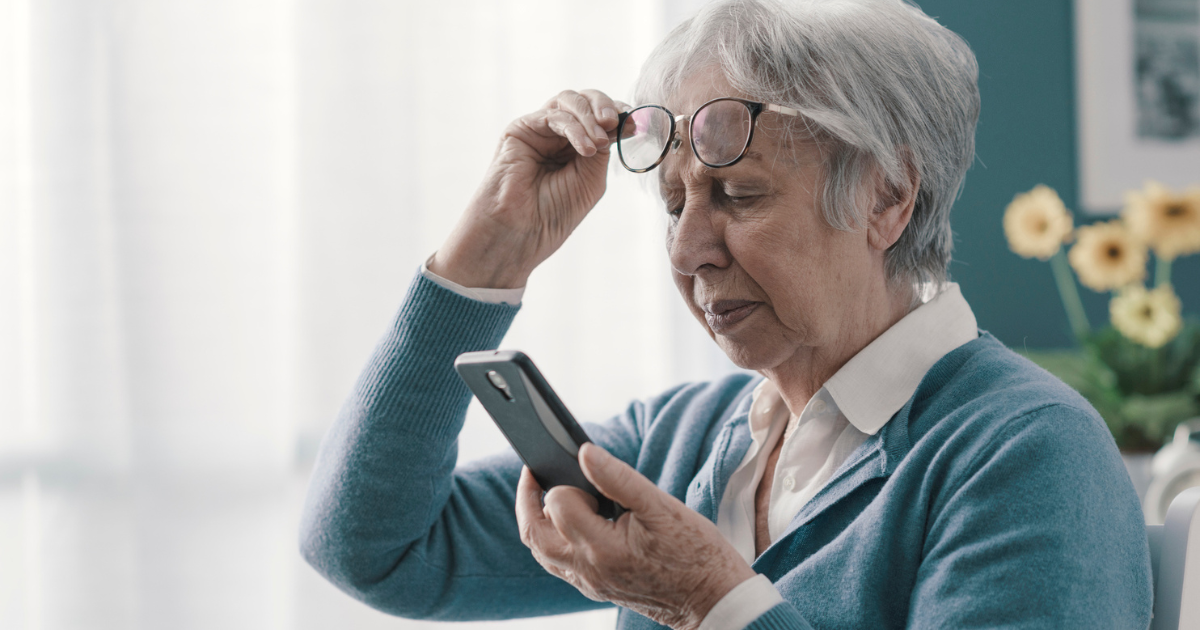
<point>725,314</point>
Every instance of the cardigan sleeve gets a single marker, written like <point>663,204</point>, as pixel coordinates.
<point>1038,529</point>
<point>389,519</point>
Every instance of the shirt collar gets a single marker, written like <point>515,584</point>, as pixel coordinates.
<point>875,383</point>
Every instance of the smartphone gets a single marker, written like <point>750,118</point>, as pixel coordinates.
<point>531,416</point>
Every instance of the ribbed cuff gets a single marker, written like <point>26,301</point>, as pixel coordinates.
<point>412,368</point>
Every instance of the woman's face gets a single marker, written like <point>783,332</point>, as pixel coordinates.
<point>750,252</point>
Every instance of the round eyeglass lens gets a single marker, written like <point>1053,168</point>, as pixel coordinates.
<point>720,130</point>
<point>643,137</point>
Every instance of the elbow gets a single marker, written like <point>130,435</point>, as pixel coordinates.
<point>379,580</point>
<point>319,549</point>
<point>327,543</point>
<point>327,550</point>
<point>337,564</point>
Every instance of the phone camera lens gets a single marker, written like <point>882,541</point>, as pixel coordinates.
<point>497,380</point>
<point>500,384</point>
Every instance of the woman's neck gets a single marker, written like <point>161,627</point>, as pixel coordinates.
<point>806,371</point>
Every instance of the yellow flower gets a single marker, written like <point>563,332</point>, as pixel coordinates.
<point>1151,318</point>
<point>1168,222</point>
<point>1036,223</point>
<point>1106,256</point>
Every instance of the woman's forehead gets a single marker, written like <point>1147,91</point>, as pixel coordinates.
<point>699,88</point>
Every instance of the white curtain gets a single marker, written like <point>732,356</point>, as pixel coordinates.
<point>209,212</point>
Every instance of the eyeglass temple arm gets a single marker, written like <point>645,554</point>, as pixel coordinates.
<point>782,110</point>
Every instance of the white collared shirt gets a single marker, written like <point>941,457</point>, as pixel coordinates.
<point>854,404</point>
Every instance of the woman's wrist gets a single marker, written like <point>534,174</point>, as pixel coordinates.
<point>719,584</point>
<point>478,265</point>
<point>738,608</point>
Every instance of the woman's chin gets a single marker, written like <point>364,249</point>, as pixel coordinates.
<point>751,354</point>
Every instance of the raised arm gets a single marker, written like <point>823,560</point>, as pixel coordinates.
<point>548,173</point>
<point>389,520</point>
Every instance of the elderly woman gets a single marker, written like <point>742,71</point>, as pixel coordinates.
<point>892,466</point>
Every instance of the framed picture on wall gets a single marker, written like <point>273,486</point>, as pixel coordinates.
<point>1137,69</point>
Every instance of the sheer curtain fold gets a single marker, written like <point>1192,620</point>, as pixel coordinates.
<point>209,212</point>
<point>212,208</point>
<point>61,312</point>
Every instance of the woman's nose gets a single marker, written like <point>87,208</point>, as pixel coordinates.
<point>676,140</point>
<point>681,126</point>
<point>695,242</point>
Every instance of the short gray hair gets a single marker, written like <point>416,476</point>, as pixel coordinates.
<point>878,82</point>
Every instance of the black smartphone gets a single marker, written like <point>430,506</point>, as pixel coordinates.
<point>535,421</point>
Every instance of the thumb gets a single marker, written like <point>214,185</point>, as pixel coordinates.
<point>619,481</point>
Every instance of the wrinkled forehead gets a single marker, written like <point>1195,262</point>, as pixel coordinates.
<point>699,88</point>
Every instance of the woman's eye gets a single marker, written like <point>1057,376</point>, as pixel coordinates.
<point>741,200</point>
<point>738,197</point>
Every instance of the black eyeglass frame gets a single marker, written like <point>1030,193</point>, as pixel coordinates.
<point>755,108</point>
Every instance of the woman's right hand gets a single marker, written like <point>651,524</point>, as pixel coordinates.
<point>548,173</point>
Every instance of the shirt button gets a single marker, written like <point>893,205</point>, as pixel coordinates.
<point>819,406</point>
<point>789,482</point>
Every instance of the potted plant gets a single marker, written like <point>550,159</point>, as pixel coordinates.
<point>1141,371</point>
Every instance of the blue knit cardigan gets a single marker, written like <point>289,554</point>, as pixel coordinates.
<point>994,497</point>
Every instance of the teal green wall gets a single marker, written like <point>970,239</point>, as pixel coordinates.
<point>1026,136</point>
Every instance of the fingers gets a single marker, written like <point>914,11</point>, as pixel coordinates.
<point>567,125</point>
<point>562,532</point>
<point>586,113</point>
<point>609,111</point>
<point>529,501</point>
<point>604,108</point>
<point>531,521</point>
<point>537,532</point>
<point>618,481</point>
<point>595,110</point>
<point>587,120</point>
<point>573,513</point>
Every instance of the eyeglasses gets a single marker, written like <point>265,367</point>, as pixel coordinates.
<point>720,132</point>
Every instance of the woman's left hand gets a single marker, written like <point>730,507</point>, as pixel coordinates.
<point>661,558</point>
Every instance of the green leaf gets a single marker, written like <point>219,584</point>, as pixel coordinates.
<point>1149,371</point>
<point>1137,421</point>
<point>1158,415</point>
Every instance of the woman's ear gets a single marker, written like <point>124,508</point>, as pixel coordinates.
<point>894,206</point>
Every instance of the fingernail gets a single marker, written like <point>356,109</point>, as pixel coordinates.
<point>609,112</point>
<point>599,132</point>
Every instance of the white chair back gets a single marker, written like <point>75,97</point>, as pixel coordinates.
<point>1175,557</point>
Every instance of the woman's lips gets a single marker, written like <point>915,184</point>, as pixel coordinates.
<point>725,314</point>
